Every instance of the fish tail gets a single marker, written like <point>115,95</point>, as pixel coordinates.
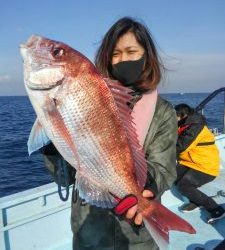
<point>159,221</point>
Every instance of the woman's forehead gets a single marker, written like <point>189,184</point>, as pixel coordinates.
<point>128,40</point>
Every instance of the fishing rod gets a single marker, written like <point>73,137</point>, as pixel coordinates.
<point>208,99</point>
<point>202,104</point>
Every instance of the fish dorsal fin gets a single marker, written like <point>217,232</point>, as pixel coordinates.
<point>122,97</point>
<point>37,138</point>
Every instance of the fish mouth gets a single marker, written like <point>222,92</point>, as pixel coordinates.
<point>45,87</point>
<point>39,72</point>
<point>31,43</point>
<point>23,50</point>
<point>44,78</point>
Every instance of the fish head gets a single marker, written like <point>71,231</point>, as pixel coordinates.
<point>47,62</point>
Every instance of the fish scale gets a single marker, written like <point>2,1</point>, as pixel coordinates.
<point>94,162</point>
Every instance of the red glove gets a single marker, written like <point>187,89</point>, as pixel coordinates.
<point>124,204</point>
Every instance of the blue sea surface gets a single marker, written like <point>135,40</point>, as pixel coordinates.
<point>19,171</point>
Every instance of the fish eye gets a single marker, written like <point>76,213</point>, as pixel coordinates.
<point>58,52</point>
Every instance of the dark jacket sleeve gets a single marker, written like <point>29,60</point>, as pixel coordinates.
<point>55,164</point>
<point>196,123</point>
<point>160,146</point>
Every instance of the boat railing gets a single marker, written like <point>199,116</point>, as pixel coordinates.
<point>38,210</point>
<point>201,106</point>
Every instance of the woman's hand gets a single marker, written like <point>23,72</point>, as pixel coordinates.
<point>133,210</point>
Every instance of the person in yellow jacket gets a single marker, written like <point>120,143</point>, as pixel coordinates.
<point>197,161</point>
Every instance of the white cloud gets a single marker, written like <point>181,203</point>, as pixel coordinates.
<point>4,78</point>
<point>20,29</point>
<point>194,73</point>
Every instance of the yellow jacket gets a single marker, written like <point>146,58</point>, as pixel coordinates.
<point>202,154</point>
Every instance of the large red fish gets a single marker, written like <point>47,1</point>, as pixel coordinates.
<point>89,122</point>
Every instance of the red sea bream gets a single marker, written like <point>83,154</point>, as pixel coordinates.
<point>88,120</point>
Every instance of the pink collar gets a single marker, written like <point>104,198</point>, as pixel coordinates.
<point>143,112</point>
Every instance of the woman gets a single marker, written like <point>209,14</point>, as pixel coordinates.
<point>128,54</point>
<point>198,161</point>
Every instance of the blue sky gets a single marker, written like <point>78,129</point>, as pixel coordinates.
<point>190,36</point>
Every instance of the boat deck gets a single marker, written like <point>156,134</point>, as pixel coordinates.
<point>207,236</point>
<point>31,215</point>
<point>45,211</point>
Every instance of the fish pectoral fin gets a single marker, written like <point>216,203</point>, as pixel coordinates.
<point>37,138</point>
<point>93,193</point>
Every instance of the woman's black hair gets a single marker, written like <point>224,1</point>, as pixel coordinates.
<point>152,71</point>
<point>183,110</point>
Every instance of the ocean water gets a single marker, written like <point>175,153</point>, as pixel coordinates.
<point>19,172</point>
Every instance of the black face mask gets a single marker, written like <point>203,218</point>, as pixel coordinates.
<point>181,122</point>
<point>128,72</point>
